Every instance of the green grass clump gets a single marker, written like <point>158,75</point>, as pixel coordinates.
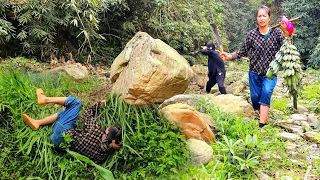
<point>27,153</point>
<point>281,105</point>
<point>311,93</point>
<point>151,146</point>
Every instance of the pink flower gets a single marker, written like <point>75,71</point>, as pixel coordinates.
<point>290,28</point>
<point>286,25</point>
<point>284,20</point>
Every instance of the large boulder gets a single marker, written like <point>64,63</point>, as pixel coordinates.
<point>233,104</point>
<point>191,123</point>
<point>200,75</point>
<point>75,71</point>
<point>149,71</point>
<point>193,100</point>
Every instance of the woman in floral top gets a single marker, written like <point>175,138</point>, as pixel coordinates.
<point>261,45</point>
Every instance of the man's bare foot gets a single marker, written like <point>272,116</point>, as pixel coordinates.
<point>41,96</point>
<point>31,122</point>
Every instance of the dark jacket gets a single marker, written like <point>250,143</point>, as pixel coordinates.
<point>215,63</point>
<point>260,50</point>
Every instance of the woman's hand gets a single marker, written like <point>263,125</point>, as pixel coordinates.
<point>225,56</point>
<point>115,146</point>
<point>204,47</point>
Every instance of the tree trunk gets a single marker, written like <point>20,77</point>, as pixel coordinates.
<point>295,102</point>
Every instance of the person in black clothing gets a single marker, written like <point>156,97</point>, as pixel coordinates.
<point>216,69</point>
<point>90,141</point>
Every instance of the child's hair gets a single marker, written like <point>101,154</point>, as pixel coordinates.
<point>115,133</point>
<point>210,45</point>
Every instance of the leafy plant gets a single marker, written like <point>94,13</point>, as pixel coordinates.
<point>42,28</point>
<point>106,174</point>
<point>306,39</point>
<point>185,25</point>
<point>312,95</point>
<point>281,105</point>
<point>314,60</point>
<point>30,153</point>
<point>151,146</point>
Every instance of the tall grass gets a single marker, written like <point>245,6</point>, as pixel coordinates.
<point>152,148</point>
<point>29,153</point>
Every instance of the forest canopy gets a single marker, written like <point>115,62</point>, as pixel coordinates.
<point>40,29</point>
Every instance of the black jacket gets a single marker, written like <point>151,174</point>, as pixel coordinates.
<point>215,63</point>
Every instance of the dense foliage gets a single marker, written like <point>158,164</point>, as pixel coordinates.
<point>101,28</point>
<point>239,18</point>
<point>43,28</point>
<point>307,29</point>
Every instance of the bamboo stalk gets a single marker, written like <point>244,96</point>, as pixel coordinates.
<point>291,20</point>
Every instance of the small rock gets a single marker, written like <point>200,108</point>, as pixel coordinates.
<point>313,118</point>
<point>299,117</point>
<point>263,176</point>
<point>290,146</point>
<point>297,129</point>
<point>314,157</point>
<point>289,136</point>
<point>311,136</point>
<point>302,109</point>
<point>297,155</point>
<point>296,161</point>
<point>286,178</point>
<point>305,126</point>
<point>297,123</point>
<point>289,121</point>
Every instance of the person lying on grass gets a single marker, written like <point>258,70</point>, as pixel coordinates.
<point>90,141</point>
